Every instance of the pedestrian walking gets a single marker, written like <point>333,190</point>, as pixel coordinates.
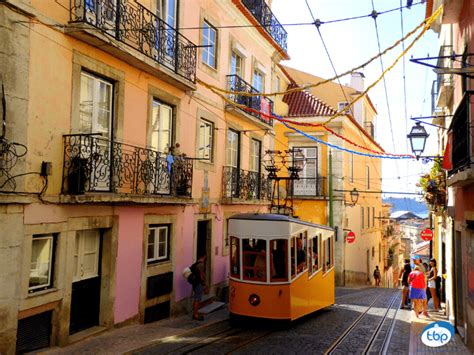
<point>417,281</point>
<point>405,286</point>
<point>418,262</point>
<point>199,285</point>
<point>377,276</point>
<point>433,274</point>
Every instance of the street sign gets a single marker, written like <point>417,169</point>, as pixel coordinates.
<point>427,234</point>
<point>351,237</point>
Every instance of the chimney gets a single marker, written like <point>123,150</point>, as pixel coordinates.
<point>357,81</point>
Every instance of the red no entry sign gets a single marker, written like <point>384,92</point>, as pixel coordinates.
<point>427,234</point>
<point>351,237</point>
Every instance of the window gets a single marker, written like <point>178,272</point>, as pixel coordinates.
<point>158,248</point>
<point>255,149</point>
<point>257,81</point>
<point>368,217</point>
<point>41,266</point>
<point>373,216</point>
<point>308,185</point>
<point>362,217</point>
<point>206,131</point>
<point>161,126</point>
<point>86,254</point>
<point>279,260</point>
<point>342,105</point>
<point>234,257</point>
<point>276,83</point>
<point>254,260</point>
<point>233,149</point>
<point>315,257</point>
<point>351,167</point>
<point>209,38</point>
<point>328,254</point>
<point>299,246</point>
<point>236,64</point>
<point>166,10</point>
<point>367,176</point>
<point>95,112</point>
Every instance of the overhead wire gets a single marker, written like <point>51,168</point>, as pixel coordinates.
<point>389,114</point>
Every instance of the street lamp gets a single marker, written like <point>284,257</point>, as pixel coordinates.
<point>354,197</point>
<point>417,137</point>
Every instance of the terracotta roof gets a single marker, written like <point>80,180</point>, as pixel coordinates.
<point>302,103</point>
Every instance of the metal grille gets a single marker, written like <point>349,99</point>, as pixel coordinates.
<point>461,130</point>
<point>245,185</point>
<point>34,332</point>
<point>314,187</point>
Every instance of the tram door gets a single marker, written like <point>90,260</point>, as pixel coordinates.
<point>203,245</point>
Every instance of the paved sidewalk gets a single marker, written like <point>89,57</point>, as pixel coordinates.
<point>133,337</point>
<point>455,346</point>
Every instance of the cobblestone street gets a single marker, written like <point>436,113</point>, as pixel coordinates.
<point>363,320</point>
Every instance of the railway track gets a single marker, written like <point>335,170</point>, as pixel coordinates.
<point>379,325</point>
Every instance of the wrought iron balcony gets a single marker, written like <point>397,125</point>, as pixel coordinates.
<point>96,164</point>
<point>245,185</point>
<point>262,13</point>
<point>256,104</point>
<point>310,187</point>
<point>131,23</point>
<point>461,130</point>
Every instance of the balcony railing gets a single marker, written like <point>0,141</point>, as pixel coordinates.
<point>96,164</point>
<point>245,185</point>
<point>262,13</point>
<point>131,23</point>
<point>311,187</point>
<point>462,135</point>
<point>257,104</point>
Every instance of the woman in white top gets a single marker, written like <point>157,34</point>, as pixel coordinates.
<point>432,283</point>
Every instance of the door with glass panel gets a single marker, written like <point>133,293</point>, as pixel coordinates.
<point>233,164</point>
<point>255,166</point>
<point>308,185</point>
<point>166,11</point>
<point>85,296</point>
<point>95,117</point>
<point>161,141</point>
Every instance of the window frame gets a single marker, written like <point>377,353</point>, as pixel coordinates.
<point>255,161</point>
<point>156,245</point>
<point>328,254</point>
<point>351,167</point>
<point>314,271</point>
<point>232,150</point>
<point>239,64</point>
<point>362,218</point>
<point>367,176</point>
<point>201,152</point>
<point>258,74</point>
<point>53,238</point>
<point>209,52</point>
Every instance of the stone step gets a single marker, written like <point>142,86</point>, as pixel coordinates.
<point>211,307</point>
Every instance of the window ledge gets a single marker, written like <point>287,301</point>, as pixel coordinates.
<point>42,292</point>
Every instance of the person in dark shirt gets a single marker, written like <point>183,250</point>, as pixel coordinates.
<point>404,276</point>
<point>300,256</point>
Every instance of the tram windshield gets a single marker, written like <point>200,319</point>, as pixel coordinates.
<point>254,260</point>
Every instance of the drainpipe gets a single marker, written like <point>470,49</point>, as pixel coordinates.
<point>331,215</point>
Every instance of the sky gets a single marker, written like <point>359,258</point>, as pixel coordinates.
<point>352,42</point>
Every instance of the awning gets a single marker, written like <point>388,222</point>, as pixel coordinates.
<point>447,158</point>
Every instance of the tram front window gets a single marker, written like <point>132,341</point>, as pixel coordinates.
<point>279,260</point>
<point>254,260</point>
<point>234,257</point>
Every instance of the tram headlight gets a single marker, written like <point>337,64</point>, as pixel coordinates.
<point>254,300</point>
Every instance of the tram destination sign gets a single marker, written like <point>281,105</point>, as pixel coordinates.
<point>351,237</point>
<point>427,234</point>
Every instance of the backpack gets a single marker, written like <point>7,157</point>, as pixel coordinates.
<point>191,274</point>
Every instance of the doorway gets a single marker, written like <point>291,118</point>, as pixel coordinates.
<point>203,245</point>
<point>85,296</point>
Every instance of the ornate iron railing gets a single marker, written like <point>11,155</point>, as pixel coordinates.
<point>315,187</point>
<point>96,164</point>
<point>462,155</point>
<point>131,23</point>
<point>264,15</point>
<point>245,185</point>
<point>261,106</point>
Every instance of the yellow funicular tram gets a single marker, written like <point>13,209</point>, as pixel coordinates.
<point>280,267</point>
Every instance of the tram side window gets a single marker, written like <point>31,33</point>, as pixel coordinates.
<point>314,254</point>
<point>298,254</point>
<point>254,260</point>
<point>279,260</point>
<point>328,253</point>
<point>234,257</point>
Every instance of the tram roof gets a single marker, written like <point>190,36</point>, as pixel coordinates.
<point>277,218</point>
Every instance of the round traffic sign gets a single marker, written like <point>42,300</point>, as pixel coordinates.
<point>351,237</point>
<point>427,234</point>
